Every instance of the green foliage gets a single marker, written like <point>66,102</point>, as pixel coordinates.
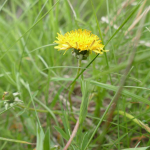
<point>85,101</point>
<point>43,140</point>
<point>46,143</point>
<point>42,76</point>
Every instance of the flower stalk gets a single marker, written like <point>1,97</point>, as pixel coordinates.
<point>73,85</point>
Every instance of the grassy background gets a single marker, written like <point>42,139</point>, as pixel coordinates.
<point>30,65</point>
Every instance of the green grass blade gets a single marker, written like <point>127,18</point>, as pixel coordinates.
<point>124,92</point>
<point>16,141</point>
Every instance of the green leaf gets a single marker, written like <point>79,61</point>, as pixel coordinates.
<point>54,101</point>
<point>40,138</point>
<point>85,140</point>
<point>63,134</point>
<point>124,92</point>
<point>46,143</point>
<point>66,124</point>
<point>47,108</point>
<point>84,103</point>
<point>55,148</point>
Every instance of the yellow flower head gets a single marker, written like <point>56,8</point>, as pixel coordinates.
<point>81,40</point>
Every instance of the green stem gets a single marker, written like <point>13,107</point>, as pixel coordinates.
<point>73,85</point>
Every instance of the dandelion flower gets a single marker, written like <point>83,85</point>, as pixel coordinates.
<point>82,41</point>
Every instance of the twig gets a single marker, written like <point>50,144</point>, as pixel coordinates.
<point>73,85</point>
<point>72,135</point>
<point>74,13</point>
<point>138,19</point>
<point>141,9</point>
<point>125,4</point>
